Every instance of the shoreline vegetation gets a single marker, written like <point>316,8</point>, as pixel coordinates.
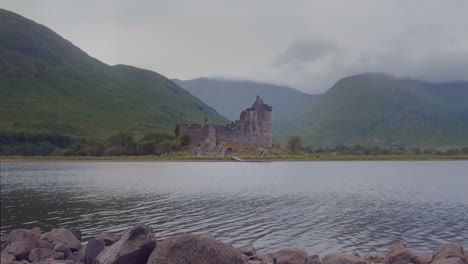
<point>279,158</point>
<point>140,245</point>
<point>123,146</point>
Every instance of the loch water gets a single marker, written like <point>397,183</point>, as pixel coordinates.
<point>322,207</point>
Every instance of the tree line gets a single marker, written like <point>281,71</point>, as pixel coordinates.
<point>120,144</point>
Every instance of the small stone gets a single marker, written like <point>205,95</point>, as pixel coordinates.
<point>108,239</point>
<point>64,249</point>
<point>39,254</point>
<point>291,256</point>
<point>248,250</point>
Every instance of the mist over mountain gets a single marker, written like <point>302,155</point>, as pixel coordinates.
<point>49,85</point>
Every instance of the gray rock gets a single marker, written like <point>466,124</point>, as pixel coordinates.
<point>399,252</point>
<point>291,256</point>
<point>76,232</point>
<point>424,259</point>
<point>449,251</point>
<point>108,239</point>
<point>268,258</point>
<point>63,235</point>
<point>4,240</point>
<point>7,258</point>
<point>195,249</point>
<point>21,242</point>
<point>64,249</point>
<point>314,259</point>
<point>93,249</point>
<point>54,261</point>
<point>39,254</point>
<point>248,250</point>
<point>134,247</point>
<point>78,256</point>
<point>43,243</point>
<point>455,260</point>
<point>340,258</point>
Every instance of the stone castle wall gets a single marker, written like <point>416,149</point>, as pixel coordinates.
<point>253,128</point>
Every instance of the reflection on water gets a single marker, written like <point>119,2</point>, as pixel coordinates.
<point>321,207</point>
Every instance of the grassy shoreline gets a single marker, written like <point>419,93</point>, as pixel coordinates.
<point>303,157</point>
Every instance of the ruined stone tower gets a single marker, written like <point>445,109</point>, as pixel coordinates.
<point>253,128</point>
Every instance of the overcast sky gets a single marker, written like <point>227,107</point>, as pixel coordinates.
<point>308,45</point>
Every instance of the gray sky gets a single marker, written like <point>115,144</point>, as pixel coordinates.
<point>308,45</point>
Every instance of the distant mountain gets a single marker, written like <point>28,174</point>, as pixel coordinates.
<point>368,109</point>
<point>230,97</point>
<point>376,109</point>
<point>49,85</point>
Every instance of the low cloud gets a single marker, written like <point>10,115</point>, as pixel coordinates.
<point>303,51</point>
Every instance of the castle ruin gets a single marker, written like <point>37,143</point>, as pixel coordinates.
<point>253,129</point>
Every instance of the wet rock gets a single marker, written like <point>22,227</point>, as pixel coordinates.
<point>195,249</point>
<point>64,249</point>
<point>248,250</point>
<point>4,239</point>
<point>424,259</point>
<point>314,259</point>
<point>291,256</point>
<point>399,252</point>
<point>340,258</point>
<point>108,239</point>
<point>449,251</point>
<point>63,235</point>
<point>78,256</point>
<point>93,249</point>
<point>76,232</point>
<point>268,258</point>
<point>7,258</point>
<point>455,260</point>
<point>21,242</point>
<point>38,254</point>
<point>134,247</point>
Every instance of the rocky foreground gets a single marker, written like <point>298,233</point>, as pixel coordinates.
<point>138,245</point>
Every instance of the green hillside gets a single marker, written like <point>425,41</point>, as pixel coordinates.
<point>367,109</point>
<point>49,85</point>
<point>375,109</point>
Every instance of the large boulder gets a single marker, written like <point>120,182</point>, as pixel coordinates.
<point>39,254</point>
<point>448,261</point>
<point>63,235</point>
<point>341,258</point>
<point>93,249</point>
<point>399,252</point>
<point>21,242</point>
<point>134,247</point>
<point>449,251</point>
<point>291,256</point>
<point>195,249</point>
<point>267,258</point>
